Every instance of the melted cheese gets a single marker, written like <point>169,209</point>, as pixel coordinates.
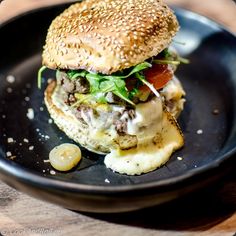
<point>150,123</point>
<point>147,122</point>
<point>148,157</point>
<point>173,90</point>
<point>96,125</point>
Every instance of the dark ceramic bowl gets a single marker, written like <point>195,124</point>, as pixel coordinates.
<point>208,122</point>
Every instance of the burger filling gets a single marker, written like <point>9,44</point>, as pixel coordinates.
<point>120,104</point>
<point>128,87</point>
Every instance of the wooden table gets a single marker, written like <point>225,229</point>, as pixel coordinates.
<point>210,212</point>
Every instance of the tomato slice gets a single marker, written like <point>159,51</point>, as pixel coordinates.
<point>158,75</point>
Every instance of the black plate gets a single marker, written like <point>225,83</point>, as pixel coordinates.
<point>210,83</point>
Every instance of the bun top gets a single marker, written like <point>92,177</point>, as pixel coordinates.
<point>108,35</point>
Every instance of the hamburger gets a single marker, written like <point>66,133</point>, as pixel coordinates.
<point>115,91</point>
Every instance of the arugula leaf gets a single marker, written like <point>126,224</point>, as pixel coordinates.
<point>183,60</point>
<point>134,92</point>
<point>73,74</point>
<point>101,84</point>
<point>94,81</point>
<point>117,86</point>
<point>40,72</point>
<point>121,91</point>
<point>100,97</point>
<point>165,53</point>
<point>166,61</point>
<point>179,42</point>
<point>170,58</point>
<point>137,68</point>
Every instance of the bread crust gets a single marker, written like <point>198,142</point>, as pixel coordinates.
<point>108,35</point>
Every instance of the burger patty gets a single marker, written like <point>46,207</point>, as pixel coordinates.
<point>117,118</point>
<point>70,86</point>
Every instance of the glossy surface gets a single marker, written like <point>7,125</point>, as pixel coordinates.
<point>207,122</point>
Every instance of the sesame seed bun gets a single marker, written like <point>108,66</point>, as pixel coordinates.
<point>108,35</point>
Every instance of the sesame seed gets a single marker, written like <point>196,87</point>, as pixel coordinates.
<point>25,140</point>
<point>52,172</point>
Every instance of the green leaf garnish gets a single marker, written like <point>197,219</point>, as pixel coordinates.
<point>164,61</point>
<point>101,84</point>
<point>73,74</point>
<point>168,57</point>
<point>178,42</point>
<point>183,60</point>
<point>40,72</point>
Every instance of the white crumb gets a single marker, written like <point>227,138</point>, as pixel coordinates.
<point>25,140</point>
<point>9,90</point>
<point>31,148</point>
<point>41,108</point>
<point>50,121</point>
<point>9,154</point>
<point>52,172</point>
<point>27,99</point>
<point>107,180</point>
<point>47,137</point>
<point>200,131</point>
<point>37,130</point>
<point>30,114</point>
<point>45,161</point>
<point>180,158</point>
<point>10,140</point>
<point>4,116</point>
<point>10,79</point>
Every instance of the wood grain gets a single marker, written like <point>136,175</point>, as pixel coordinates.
<point>209,212</point>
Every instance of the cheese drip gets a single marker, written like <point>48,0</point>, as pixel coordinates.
<point>147,157</point>
<point>147,122</point>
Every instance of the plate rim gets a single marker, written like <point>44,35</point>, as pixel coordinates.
<point>26,175</point>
